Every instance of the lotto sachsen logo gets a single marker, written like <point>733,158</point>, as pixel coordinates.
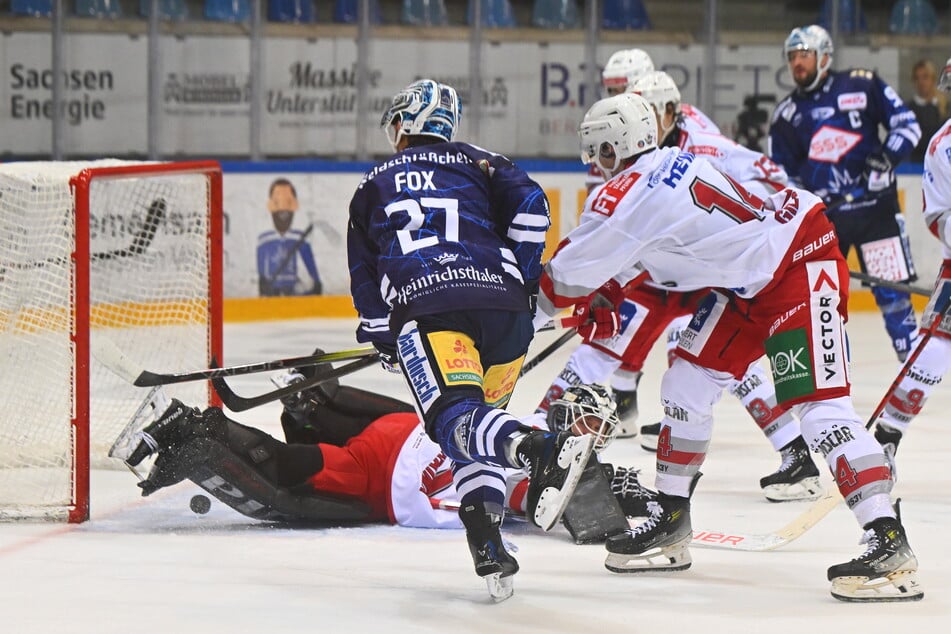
<point>791,363</point>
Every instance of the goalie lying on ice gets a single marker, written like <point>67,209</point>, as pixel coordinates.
<point>353,456</point>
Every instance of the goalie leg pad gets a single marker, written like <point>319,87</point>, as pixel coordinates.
<point>237,482</point>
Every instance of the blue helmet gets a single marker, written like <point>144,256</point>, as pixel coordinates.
<point>811,38</point>
<point>425,107</point>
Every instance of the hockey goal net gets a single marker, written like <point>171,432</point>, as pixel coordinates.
<point>125,253</point>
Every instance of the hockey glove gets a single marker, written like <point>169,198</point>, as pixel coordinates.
<point>599,315</point>
<point>878,172</point>
<point>388,357</point>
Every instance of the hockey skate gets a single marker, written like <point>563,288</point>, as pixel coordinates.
<point>797,477</point>
<point>886,571</point>
<point>626,401</point>
<point>492,561</point>
<point>630,493</point>
<point>659,544</point>
<point>889,438</point>
<point>555,463</point>
<point>149,431</point>
<point>649,434</point>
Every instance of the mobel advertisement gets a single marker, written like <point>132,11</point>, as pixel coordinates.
<point>532,94</point>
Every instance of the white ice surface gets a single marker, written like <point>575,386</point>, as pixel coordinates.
<point>150,565</point>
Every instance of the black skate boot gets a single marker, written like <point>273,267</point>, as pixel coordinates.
<point>886,571</point>
<point>658,544</point>
<point>797,477</point>
<point>649,434</point>
<point>492,561</point>
<point>630,493</point>
<point>626,401</point>
<point>555,462</point>
<point>168,431</point>
<point>888,438</point>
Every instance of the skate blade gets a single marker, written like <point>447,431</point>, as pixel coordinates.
<point>661,559</point>
<point>805,489</point>
<point>649,443</point>
<point>901,585</point>
<point>128,439</point>
<point>551,505</point>
<point>500,588</point>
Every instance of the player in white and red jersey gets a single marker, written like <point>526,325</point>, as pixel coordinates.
<point>780,288</point>
<point>649,308</point>
<point>934,360</point>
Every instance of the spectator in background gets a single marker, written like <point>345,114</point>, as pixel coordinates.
<point>278,248</point>
<point>929,105</point>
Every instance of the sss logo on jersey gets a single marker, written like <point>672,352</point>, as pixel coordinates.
<point>830,144</point>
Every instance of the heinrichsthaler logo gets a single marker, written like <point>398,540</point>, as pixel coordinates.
<point>464,274</point>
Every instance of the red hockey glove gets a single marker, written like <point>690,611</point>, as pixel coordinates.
<point>598,314</point>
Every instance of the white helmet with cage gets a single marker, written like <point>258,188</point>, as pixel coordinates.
<point>944,80</point>
<point>625,67</point>
<point>811,38</point>
<point>425,107</point>
<point>585,409</point>
<point>617,128</point>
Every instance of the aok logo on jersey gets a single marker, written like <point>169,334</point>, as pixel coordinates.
<point>789,359</point>
<point>830,144</point>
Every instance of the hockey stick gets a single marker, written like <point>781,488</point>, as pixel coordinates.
<point>145,378</point>
<point>898,286</point>
<point>548,351</point>
<point>925,337</point>
<point>237,403</point>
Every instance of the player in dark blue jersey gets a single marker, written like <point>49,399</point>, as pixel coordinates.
<point>826,135</point>
<point>444,244</point>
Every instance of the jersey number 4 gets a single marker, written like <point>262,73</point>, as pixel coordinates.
<point>738,204</point>
<point>414,209</point>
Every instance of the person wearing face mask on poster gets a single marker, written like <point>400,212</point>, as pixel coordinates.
<point>278,249</point>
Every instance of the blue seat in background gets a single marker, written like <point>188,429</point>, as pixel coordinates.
<point>496,14</point>
<point>851,16</point>
<point>345,11</point>
<point>913,17</point>
<point>98,8</point>
<point>296,11</point>
<point>35,8</point>
<point>556,14</point>
<point>228,10</point>
<point>168,9</point>
<point>424,13</point>
<point>625,15</point>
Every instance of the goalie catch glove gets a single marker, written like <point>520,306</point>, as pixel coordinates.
<point>598,314</point>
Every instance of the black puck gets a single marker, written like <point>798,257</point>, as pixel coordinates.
<point>200,504</point>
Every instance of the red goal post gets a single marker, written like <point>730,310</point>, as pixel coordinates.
<point>122,253</point>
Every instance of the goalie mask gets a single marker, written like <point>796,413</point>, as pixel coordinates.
<point>944,81</point>
<point>585,409</point>
<point>425,107</point>
<point>658,89</point>
<point>615,129</point>
<point>811,38</point>
<point>624,68</point>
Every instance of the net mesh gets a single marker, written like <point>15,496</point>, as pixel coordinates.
<point>149,295</point>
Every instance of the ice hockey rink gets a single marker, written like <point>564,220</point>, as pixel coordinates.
<point>151,565</point>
